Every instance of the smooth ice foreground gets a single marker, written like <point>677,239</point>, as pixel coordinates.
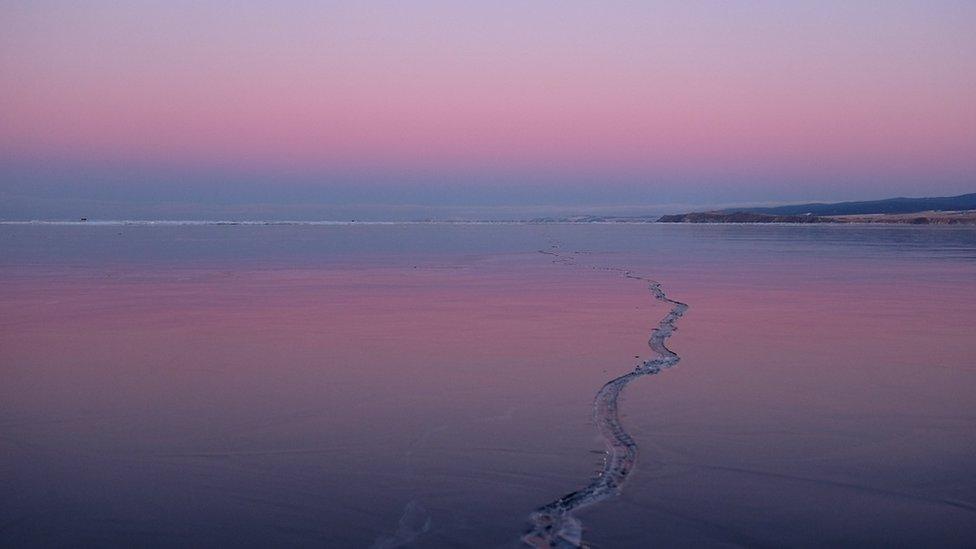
<point>429,385</point>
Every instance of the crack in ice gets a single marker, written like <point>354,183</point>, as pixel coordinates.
<point>553,524</point>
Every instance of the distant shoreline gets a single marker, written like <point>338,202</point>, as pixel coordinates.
<point>937,210</point>
<point>965,217</point>
<point>942,210</point>
<point>949,219</point>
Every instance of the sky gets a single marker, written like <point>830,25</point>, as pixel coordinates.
<point>410,110</point>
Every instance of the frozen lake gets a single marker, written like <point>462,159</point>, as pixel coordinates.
<point>432,384</point>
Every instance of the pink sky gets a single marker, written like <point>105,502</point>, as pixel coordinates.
<point>659,103</point>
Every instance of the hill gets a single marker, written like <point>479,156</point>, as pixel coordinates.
<point>899,205</point>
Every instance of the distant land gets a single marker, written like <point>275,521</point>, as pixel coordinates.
<point>900,205</point>
<point>943,210</point>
